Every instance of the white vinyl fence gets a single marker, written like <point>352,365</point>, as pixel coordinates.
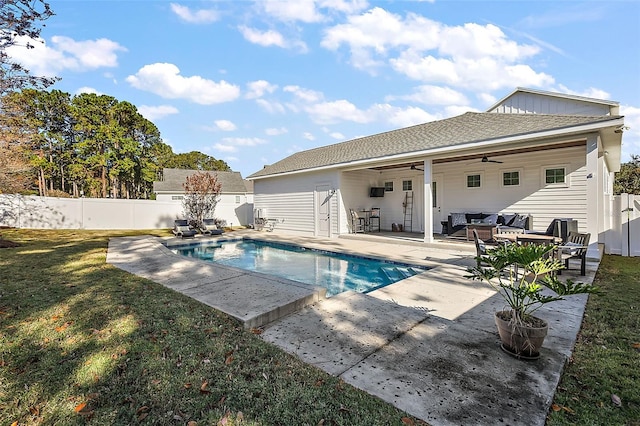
<point>623,237</point>
<point>104,213</point>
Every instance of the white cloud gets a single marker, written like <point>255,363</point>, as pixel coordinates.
<point>291,11</point>
<point>231,159</point>
<point>165,80</point>
<point>434,95</point>
<point>336,111</point>
<point>306,95</point>
<point>275,131</point>
<point>225,125</point>
<point>468,56</point>
<point>591,92</point>
<point>156,112</point>
<point>244,141</point>
<point>257,89</point>
<point>202,16</point>
<point>64,53</point>
<point>337,135</point>
<point>271,107</point>
<point>347,7</point>
<point>225,148</point>
<point>271,38</point>
<point>308,136</point>
<point>86,89</point>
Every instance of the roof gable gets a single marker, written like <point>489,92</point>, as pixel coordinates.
<point>530,101</point>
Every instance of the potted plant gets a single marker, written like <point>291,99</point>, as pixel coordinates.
<point>520,273</point>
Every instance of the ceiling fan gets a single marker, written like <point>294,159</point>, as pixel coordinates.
<point>485,159</point>
<point>413,167</point>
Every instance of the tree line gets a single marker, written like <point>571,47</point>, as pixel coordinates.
<point>54,144</point>
<point>92,145</point>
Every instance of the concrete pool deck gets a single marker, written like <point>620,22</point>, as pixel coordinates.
<point>426,344</point>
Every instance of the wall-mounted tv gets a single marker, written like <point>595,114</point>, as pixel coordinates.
<point>376,191</point>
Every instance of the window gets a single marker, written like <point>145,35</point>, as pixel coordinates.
<point>511,178</point>
<point>552,176</point>
<point>237,199</point>
<point>388,186</point>
<point>473,181</point>
<point>407,185</point>
<point>177,197</point>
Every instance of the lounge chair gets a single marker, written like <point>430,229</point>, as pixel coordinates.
<point>182,229</point>
<point>209,227</point>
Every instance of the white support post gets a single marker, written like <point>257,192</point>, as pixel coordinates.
<point>594,194</point>
<point>428,201</point>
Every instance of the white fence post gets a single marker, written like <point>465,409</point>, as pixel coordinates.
<point>633,225</point>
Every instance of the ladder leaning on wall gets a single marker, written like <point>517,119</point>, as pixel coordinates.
<point>408,211</point>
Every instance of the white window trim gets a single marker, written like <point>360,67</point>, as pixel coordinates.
<point>520,176</point>
<point>407,180</point>
<point>543,176</point>
<point>393,185</point>
<point>466,180</point>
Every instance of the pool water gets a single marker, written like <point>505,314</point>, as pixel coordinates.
<point>335,272</point>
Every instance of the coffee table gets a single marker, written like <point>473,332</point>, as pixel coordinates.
<point>486,231</point>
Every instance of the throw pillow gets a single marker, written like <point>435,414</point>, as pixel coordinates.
<point>492,219</point>
<point>508,218</point>
<point>458,219</point>
<point>520,221</point>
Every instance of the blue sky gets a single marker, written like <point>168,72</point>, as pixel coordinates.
<point>251,82</point>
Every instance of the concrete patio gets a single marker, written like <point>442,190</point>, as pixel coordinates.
<point>426,344</point>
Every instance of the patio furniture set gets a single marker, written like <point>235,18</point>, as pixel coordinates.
<point>562,234</point>
<point>365,220</point>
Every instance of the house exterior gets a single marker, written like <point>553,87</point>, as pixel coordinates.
<point>235,205</point>
<point>546,154</point>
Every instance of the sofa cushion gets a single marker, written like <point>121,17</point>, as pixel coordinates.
<point>458,219</point>
<point>520,221</point>
<point>474,217</point>
<point>492,219</point>
<point>508,218</point>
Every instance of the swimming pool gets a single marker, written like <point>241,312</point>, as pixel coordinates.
<point>336,272</point>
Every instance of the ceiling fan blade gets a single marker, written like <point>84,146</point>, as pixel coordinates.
<point>413,167</point>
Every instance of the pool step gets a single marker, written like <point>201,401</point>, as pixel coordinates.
<point>395,273</point>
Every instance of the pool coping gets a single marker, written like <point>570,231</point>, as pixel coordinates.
<point>253,298</point>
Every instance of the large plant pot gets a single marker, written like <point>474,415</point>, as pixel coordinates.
<point>520,341</point>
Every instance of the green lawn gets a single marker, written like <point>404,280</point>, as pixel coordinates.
<point>601,384</point>
<point>84,342</point>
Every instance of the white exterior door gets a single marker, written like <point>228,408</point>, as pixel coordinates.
<point>323,210</point>
<point>436,204</point>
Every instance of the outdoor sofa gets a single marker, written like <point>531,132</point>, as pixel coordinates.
<point>456,224</point>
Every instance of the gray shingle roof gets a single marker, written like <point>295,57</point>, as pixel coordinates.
<point>464,129</point>
<point>173,179</point>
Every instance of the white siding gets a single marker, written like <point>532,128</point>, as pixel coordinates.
<point>531,197</point>
<point>355,194</point>
<point>290,200</point>
<point>531,103</point>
